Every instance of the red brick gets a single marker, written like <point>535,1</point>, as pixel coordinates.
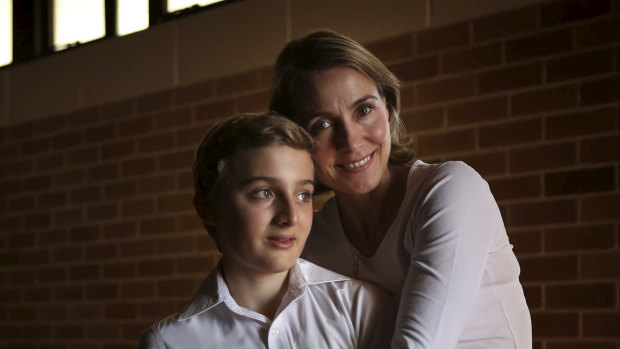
<point>600,265</point>
<point>423,119</point>
<point>417,68</point>
<point>580,123</point>
<point>157,226</point>
<point>510,78</point>
<point>600,207</point>
<point>67,254</point>
<point>68,293</point>
<point>101,252</point>
<point>68,331</point>
<point>579,238</point>
<point>436,39</point>
<point>9,295</point>
<point>192,136</point>
<point>581,344</point>
<point>580,296</point>
<point>51,274</point>
<point>555,325</point>
<point>137,248</point>
<point>392,48</point>
<point>103,172</point>
<point>53,199</point>
<point>559,12</point>
<point>84,233</point>
<point>408,96</point>
<point>157,309</point>
<point>119,230</point>
<point>136,126</point>
<point>543,157</point>
<point>471,58</point>
<point>38,183</point>
<point>68,178</point>
<point>21,203</point>
<point>174,118</point>
<point>16,168</point>
<point>135,167</point>
<point>601,91</point>
<point>543,212</point>
<point>597,33</point>
<point>214,110</point>
<point>601,324</point>
<point>193,93</point>
<point>22,314</point>
<point>84,117</point>
<point>101,212</point>
<point>33,147</point>
<point>138,290</point>
<point>175,288</point>
<point>539,44</point>
<point>120,270</point>
<point>447,89</point>
<point>185,181</point>
<point>253,103</point>
<point>10,151</point>
<point>160,267</point>
<point>526,241</point>
<point>195,265</point>
<point>189,222</point>
<point>37,220</point>
<point>453,141</point>
<point>181,244</point>
<point>600,149</point>
<point>120,190</point>
<point>36,332</point>
<point>54,312</point>
<point>103,331</point>
<point>67,140</point>
<point>12,222</point>
<point>50,162</point>
<point>117,150</point>
<point>177,160</point>
<point>580,65</point>
<point>21,277</point>
<point>157,184</point>
<point>175,203</point>
<point>100,133</point>
<point>549,99</point>
<point>505,24</point>
<point>533,296</point>
<point>38,257</point>
<point>101,291</point>
<point>118,110</point>
<point>580,181</point>
<point>10,187</point>
<point>120,311</point>
<point>512,133</point>
<point>49,125</point>
<point>154,101</point>
<point>37,295</point>
<point>137,207</point>
<point>87,194</point>
<point>264,76</point>
<point>52,237</point>
<point>238,83</point>
<point>516,187</point>
<point>9,332</point>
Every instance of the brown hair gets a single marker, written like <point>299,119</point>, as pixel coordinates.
<point>219,147</point>
<point>325,49</point>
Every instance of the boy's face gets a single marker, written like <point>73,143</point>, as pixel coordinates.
<point>264,212</point>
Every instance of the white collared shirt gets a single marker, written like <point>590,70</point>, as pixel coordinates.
<point>321,309</point>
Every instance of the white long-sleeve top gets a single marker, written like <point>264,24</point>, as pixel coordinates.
<point>321,309</point>
<point>446,258</point>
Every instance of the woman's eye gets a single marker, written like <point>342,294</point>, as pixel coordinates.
<point>262,194</point>
<point>305,196</point>
<point>319,126</point>
<point>365,110</point>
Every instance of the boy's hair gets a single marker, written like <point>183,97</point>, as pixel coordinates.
<point>219,147</point>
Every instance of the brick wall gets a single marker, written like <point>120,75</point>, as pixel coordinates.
<point>98,237</point>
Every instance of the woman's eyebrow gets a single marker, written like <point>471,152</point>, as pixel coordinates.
<point>363,99</point>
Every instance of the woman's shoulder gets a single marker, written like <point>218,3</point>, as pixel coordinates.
<point>431,174</point>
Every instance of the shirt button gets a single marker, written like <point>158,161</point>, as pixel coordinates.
<point>275,331</point>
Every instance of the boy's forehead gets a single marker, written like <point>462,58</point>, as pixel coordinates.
<point>271,161</point>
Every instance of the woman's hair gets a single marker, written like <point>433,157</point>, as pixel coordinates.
<point>219,147</point>
<point>325,49</point>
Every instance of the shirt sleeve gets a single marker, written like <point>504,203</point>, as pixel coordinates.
<point>150,340</point>
<point>373,312</point>
<point>455,219</point>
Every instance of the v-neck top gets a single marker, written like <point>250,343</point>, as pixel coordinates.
<point>446,258</point>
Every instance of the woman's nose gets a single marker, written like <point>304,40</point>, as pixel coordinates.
<point>347,137</point>
<point>286,214</point>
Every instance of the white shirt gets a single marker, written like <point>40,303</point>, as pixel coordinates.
<point>446,257</point>
<point>321,309</point>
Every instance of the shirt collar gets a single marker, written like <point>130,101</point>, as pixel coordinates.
<point>214,290</point>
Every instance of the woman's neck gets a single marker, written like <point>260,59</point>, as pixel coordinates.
<point>367,217</point>
<point>259,292</point>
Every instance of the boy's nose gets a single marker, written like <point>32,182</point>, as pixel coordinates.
<point>287,213</point>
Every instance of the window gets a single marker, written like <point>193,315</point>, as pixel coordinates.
<point>132,16</point>
<point>176,5</point>
<point>77,21</point>
<point>6,32</point>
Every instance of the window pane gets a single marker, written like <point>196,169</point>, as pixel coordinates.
<point>6,32</point>
<point>132,16</point>
<point>175,5</point>
<point>78,20</point>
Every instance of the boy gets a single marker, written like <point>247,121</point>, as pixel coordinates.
<point>254,180</point>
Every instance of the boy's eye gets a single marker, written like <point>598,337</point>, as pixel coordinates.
<point>305,196</point>
<point>319,126</point>
<point>262,194</point>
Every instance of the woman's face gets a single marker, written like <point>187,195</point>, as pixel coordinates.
<point>344,112</point>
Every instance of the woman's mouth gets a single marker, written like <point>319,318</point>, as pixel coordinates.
<point>359,164</point>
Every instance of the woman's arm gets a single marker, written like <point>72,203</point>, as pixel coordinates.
<point>455,217</point>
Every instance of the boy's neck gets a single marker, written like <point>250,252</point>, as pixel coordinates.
<point>262,293</point>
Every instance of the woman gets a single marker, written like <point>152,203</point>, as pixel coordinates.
<point>429,234</point>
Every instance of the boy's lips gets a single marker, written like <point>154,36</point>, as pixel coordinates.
<point>283,242</point>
